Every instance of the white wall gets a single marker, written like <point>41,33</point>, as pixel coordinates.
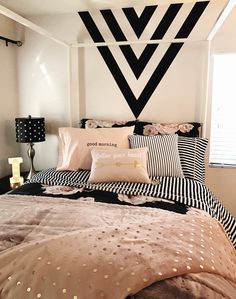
<point>43,92</point>
<point>8,96</point>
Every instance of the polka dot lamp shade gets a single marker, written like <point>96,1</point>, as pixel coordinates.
<point>30,129</point>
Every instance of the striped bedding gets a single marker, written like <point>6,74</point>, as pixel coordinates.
<point>181,190</point>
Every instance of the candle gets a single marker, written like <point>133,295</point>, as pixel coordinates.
<point>16,180</point>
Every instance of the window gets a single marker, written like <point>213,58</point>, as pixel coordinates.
<point>223,114</point>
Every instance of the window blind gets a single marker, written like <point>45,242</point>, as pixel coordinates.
<point>223,114</point>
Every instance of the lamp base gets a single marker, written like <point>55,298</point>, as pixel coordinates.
<point>31,154</point>
<point>31,173</point>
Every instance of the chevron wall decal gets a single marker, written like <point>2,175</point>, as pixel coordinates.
<point>137,65</point>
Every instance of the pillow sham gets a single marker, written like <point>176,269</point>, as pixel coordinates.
<point>87,123</point>
<point>163,154</point>
<point>188,129</point>
<point>119,165</point>
<point>75,144</point>
<point>192,153</point>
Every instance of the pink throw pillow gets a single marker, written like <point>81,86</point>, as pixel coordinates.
<point>75,144</point>
<point>119,165</point>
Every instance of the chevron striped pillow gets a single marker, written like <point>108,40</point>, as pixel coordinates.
<point>192,157</point>
<point>163,154</point>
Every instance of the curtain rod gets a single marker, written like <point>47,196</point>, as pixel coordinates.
<point>8,40</point>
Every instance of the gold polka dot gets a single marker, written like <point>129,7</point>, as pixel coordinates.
<point>95,270</point>
<point>159,273</point>
<point>28,290</point>
<point>9,278</point>
<point>132,273</point>
<point>188,267</point>
<point>121,268</point>
<point>54,284</point>
<point>202,258</point>
<point>117,283</point>
<point>63,291</point>
<point>174,269</point>
<point>18,283</point>
<point>189,258</point>
<point>129,289</point>
<point>201,266</point>
<point>39,295</point>
<point>39,258</point>
<point>110,263</point>
<point>49,263</point>
<point>106,276</point>
<point>176,261</point>
<point>212,267</point>
<point>58,268</point>
<point>145,279</point>
<point>84,265</point>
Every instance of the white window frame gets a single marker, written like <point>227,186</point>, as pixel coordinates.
<point>218,128</point>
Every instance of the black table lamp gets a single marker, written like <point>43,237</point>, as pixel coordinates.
<point>30,130</point>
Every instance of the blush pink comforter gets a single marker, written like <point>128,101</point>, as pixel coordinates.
<point>57,248</point>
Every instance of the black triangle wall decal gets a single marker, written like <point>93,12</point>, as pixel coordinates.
<point>138,64</point>
<point>139,23</point>
<point>137,104</point>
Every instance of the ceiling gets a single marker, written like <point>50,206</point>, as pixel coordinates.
<point>30,7</point>
<point>41,7</point>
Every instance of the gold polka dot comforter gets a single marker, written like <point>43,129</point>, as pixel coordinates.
<point>57,248</point>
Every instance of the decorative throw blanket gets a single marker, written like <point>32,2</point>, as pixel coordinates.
<point>180,190</point>
<point>57,248</point>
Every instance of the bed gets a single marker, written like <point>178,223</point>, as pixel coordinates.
<point>127,215</point>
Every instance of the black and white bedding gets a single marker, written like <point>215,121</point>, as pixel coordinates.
<point>173,193</point>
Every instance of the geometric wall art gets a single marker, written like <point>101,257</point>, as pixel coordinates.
<point>138,63</point>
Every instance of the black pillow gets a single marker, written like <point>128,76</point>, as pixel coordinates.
<point>188,129</point>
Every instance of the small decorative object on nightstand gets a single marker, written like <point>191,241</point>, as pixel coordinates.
<point>16,180</point>
<point>30,130</point>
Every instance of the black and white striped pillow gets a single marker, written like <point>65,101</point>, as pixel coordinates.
<point>163,154</point>
<point>192,157</point>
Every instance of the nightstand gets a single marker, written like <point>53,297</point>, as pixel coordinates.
<point>5,183</point>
